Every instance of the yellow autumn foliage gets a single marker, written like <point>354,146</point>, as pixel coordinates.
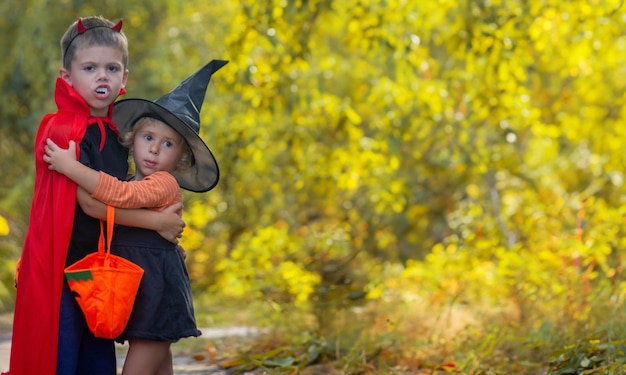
<point>388,152</point>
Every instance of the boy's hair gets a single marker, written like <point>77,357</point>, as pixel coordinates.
<point>186,156</point>
<point>95,34</point>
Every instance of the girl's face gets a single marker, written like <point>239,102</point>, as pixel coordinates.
<point>156,147</point>
<point>98,75</point>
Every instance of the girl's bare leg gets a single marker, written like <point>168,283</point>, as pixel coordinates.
<point>167,366</point>
<point>147,357</point>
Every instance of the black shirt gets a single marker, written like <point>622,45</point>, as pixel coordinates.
<point>112,160</point>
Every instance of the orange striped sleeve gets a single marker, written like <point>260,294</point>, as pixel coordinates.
<point>157,191</point>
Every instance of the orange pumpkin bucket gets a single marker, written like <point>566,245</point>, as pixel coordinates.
<point>105,286</point>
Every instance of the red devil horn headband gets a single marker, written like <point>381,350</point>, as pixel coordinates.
<point>81,29</point>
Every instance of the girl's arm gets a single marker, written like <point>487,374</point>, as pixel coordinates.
<point>155,191</point>
<point>167,223</point>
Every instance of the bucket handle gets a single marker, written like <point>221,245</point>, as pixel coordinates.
<point>110,225</point>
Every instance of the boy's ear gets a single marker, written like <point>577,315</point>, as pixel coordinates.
<point>65,75</point>
<point>125,78</point>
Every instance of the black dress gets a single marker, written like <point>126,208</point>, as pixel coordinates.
<point>163,309</point>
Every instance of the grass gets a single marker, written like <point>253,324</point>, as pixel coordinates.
<point>416,338</point>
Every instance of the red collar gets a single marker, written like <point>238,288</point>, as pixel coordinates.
<point>67,99</point>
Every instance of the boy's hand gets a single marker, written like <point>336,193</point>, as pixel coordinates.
<point>171,223</point>
<point>59,159</point>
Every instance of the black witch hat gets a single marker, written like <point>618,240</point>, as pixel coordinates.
<point>180,109</point>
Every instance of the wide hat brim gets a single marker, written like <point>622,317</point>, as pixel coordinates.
<point>203,174</point>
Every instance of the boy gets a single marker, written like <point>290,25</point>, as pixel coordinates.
<point>50,335</point>
<point>167,150</point>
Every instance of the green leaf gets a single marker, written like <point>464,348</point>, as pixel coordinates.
<point>284,362</point>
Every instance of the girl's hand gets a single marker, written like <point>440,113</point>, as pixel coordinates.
<point>59,159</point>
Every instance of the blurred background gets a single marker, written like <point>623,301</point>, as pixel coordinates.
<point>413,181</point>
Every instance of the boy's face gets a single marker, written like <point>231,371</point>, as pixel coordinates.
<point>98,75</point>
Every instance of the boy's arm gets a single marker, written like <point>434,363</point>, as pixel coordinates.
<point>167,223</point>
<point>64,161</point>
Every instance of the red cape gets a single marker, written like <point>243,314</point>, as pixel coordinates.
<point>36,320</point>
